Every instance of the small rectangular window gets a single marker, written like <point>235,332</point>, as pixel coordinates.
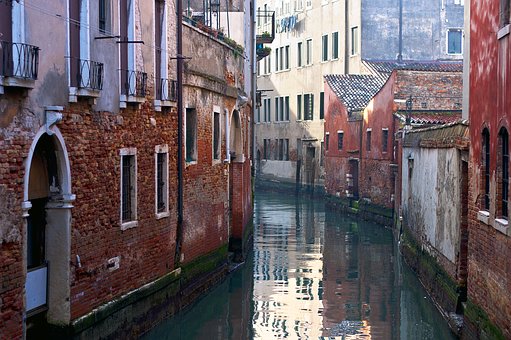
<point>265,149</point>
<point>281,109</point>
<point>128,188</point>
<point>286,149</point>
<point>281,61</point>
<point>354,40</point>
<point>454,41</point>
<point>321,105</point>
<point>308,58</point>
<point>384,139</point>
<point>216,134</point>
<point>281,149</point>
<point>277,109</point>
<point>340,140</point>
<point>368,140</point>
<point>286,108</point>
<point>324,54</point>
<point>504,12</point>
<point>191,135</point>
<point>276,59</point>
<point>299,107</point>
<point>161,179</point>
<point>299,54</point>
<point>308,105</point>
<point>327,141</point>
<point>286,59</point>
<point>335,45</point>
<point>104,16</point>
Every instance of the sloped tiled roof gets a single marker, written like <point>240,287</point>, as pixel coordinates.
<point>355,90</point>
<point>430,117</point>
<point>387,66</point>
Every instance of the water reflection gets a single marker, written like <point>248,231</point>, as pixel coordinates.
<point>314,273</point>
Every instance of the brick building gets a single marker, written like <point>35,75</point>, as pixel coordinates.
<point>489,83</point>
<point>363,114</point>
<point>89,177</point>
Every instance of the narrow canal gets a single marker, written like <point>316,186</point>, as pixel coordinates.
<point>313,273</point>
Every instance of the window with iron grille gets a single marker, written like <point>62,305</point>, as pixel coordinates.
<point>216,135</point>
<point>384,139</point>
<point>128,188</point>
<point>340,140</point>
<point>504,140</point>
<point>308,106</point>
<point>486,168</point>
<point>161,180</point>
<point>191,135</point>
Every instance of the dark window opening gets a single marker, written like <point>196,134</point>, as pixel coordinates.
<point>191,135</point>
<point>160,181</point>
<point>128,166</point>
<point>504,137</point>
<point>340,140</point>
<point>216,136</point>
<point>368,140</point>
<point>384,140</point>
<point>486,168</point>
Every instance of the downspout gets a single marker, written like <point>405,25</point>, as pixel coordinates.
<point>346,38</point>
<point>254,86</point>
<point>179,230</point>
<point>400,52</point>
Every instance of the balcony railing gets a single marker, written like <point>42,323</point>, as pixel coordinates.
<point>135,84</point>
<point>265,27</point>
<point>167,90</point>
<point>89,74</point>
<point>19,60</point>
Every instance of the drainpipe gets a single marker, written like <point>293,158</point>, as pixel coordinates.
<point>400,53</point>
<point>179,230</point>
<point>254,86</point>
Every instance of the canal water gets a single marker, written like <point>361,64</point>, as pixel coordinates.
<point>313,273</point>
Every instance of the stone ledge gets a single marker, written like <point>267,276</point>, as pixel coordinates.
<point>501,225</point>
<point>483,216</point>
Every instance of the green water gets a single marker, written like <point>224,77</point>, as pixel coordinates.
<point>313,273</point>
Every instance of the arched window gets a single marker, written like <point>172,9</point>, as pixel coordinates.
<point>486,168</point>
<point>504,171</point>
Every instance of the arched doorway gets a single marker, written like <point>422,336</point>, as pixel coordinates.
<point>47,211</point>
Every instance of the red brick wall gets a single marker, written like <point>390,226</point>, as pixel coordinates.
<point>489,267</point>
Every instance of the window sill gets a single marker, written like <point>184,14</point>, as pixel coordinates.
<point>502,226</point>
<point>161,215</point>
<point>483,216</point>
<point>129,225</point>
<point>75,92</point>
<point>124,100</point>
<point>191,162</point>
<point>15,82</point>
<point>504,31</point>
<point>158,104</point>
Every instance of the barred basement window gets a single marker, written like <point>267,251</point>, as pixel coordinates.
<point>161,180</point>
<point>128,188</point>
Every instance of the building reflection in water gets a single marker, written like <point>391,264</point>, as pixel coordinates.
<point>314,273</point>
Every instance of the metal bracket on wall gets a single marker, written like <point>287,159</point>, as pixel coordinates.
<point>53,115</point>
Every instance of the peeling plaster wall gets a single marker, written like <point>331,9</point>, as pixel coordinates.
<point>431,198</point>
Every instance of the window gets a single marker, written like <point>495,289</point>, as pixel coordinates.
<point>281,149</point>
<point>354,40</point>
<point>299,107</point>
<point>286,58</point>
<point>504,12</point>
<point>191,135</point>
<point>161,178</point>
<point>454,41</point>
<point>281,60</point>
<point>276,59</point>
<point>298,5</point>
<point>281,109</point>
<point>128,188</point>
<point>321,105</point>
<point>104,16</point>
<point>216,135</point>
<point>486,169</point>
<point>340,139</point>
<point>327,140</point>
<point>308,105</point>
<point>368,140</point>
<point>286,149</point>
<point>322,155</point>
<point>384,139</point>
<point>277,109</point>
<point>265,149</point>
<point>324,54</point>
<point>504,147</point>
<point>267,109</point>
<point>459,2</point>
<point>335,45</point>
<point>286,108</point>
<point>308,57</point>
<point>299,54</point>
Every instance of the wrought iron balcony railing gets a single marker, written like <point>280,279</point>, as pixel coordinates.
<point>135,83</point>
<point>89,74</point>
<point>167,90</point>
<point>265,32</point>
<point>19,60</point>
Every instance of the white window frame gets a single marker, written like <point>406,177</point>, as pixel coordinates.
<point>216,110</point>
<point>324,54</point>
<point>161,149</point>
<point>308,52</point>
<point>196,137</point>
<point>134,194</point>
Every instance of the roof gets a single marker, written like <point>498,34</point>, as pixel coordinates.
<point>430,117</point>
<point>387,66</point>
<point>355,90</point>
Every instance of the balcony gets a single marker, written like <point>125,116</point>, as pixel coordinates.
<point>19,63</point>
<point>134,87</point>
<point>265,27</point>
<point>86,79</point>
<point>166,93</point>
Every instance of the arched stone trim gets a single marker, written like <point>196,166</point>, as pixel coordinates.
<point>236,137</point>
<point>58,229</point>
